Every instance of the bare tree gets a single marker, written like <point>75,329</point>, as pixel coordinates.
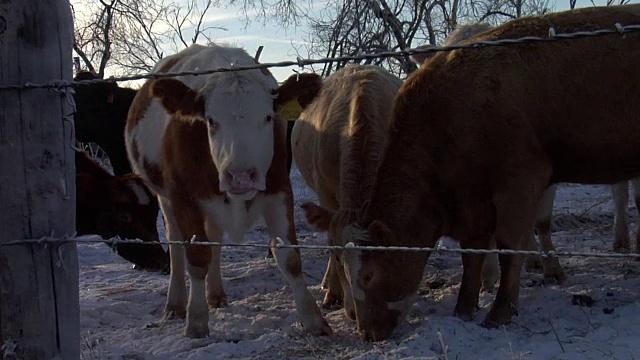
<point>351,27</point>
<point>130,35</point>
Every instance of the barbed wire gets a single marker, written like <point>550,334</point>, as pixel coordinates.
<point>94,239</point>
<point>300,62</point>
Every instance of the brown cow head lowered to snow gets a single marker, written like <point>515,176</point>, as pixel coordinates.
<point>240,133</point>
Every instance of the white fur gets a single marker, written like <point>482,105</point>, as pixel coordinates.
<point>149,133</point>
<point>243,139</point>
<point>177,292</point>
<point>233,217</point>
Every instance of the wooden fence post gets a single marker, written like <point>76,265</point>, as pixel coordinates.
<point>39,305</point>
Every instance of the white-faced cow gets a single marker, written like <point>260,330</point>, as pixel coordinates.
<point>477,136</point>
<point>336,143</point>
<point>213,149</point>
<point>123,206</point>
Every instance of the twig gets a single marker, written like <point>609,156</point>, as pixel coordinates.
<point>555,333</point>
<point>443,346</point>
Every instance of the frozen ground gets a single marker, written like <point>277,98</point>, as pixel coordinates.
<point>121,307</point>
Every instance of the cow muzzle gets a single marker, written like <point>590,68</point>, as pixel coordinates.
<point>243,183</point>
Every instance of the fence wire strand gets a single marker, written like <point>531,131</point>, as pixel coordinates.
<point>94,239</point>
<point>300,62</point>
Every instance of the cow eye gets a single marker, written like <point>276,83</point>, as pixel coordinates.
<point>268,119</point>
<point>213,125</point>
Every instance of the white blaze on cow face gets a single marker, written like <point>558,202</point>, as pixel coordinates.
<point>241,123</point>
<point>238,111</point>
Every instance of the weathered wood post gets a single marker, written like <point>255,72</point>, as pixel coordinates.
<point>39,307</point>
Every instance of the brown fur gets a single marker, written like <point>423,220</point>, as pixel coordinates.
<point>143,98</point>
<point>478,135</point>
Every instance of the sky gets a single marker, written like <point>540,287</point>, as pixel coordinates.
<point>280,44</point>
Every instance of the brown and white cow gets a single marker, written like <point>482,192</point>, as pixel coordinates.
<point>477,136</point>
<point>336,143</point>
<point>122,206</point>
<point>213,150</point>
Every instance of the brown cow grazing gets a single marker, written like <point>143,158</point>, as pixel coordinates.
<point>337,142</point>
<point>213,150</point>
<point>123,206</point>
<point>551,267</point>
<point>477,136</point>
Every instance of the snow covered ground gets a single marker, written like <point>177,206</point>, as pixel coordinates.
<point>121,308</point>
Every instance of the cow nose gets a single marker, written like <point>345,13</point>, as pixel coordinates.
<point>241,179</point>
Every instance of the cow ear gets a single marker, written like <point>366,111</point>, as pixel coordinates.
<point>291,110</point>
<point>177,98</point>
<point>420,58</point>
<point>304,87</point>
<point>381,234</point>
<point>318,216</point>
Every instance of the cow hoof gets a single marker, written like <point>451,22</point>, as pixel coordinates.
<point>193,332</point>
<point>173,314</point>
<point>499,317</point>
<point>217,301</point>
<point>318,327</point>
<point>332,300</point>
<point>464,314</point>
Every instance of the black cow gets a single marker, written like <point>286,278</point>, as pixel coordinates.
<point>101,114</point>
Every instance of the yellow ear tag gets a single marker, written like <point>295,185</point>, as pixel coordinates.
<point>291,110</point>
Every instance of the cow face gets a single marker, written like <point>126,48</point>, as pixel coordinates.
<point>240,122</point>
<point>383,283</point>
<point>112,206</point>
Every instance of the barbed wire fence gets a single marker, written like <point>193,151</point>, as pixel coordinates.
<point>63,87</point>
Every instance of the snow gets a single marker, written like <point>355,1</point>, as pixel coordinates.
<point>121,308</point>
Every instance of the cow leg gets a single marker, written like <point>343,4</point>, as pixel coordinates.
<point>279,219</point>
<point>545,211</point>
<point>470,287</point>
<point>331,279</point>
<point>513,232</point>
<point>551,267</point>
<point>176,306</point>
<point>349,304</point>
<point>481,226</point>
<point>490,271</point>
<point>191,223</point>
<point>216,296</point>
<point>620,193</point>
<point>335,292</point>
